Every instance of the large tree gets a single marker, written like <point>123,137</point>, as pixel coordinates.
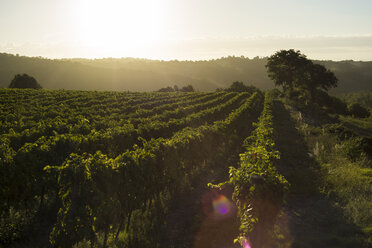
<point>24,81</point>
<point>294,72</point>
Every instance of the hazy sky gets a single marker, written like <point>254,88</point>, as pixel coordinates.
<point>186,29</point>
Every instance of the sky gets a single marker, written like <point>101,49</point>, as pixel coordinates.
<point>186,29</point>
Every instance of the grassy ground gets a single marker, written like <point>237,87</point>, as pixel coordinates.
<point>330,200</point>
<point>360,125</point>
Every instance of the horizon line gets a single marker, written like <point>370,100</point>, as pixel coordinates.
<point>167,60</point>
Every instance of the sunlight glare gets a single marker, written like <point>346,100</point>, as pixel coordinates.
<point>120,25</point>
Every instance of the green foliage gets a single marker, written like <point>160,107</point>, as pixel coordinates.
<point>351,148</point>
<point>341,155</point>
<point>346,178</point>
<point>362,126</point>
<point>299,76</point>
<point>150,75</point>
<point>285,68</point>
<point>135,175</point>
<point>356,110</point>
<point>363,98</point>
<point>331,103</point>
<point>352,143</point>
<point>12,223</point>
<point>167,89</point>
<point>259,190</point>
<point>241,87</point>
<point>99,157</point>
<point>188,88</point>
<point>24,81</point>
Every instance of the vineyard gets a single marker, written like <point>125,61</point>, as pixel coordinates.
<point>126,169</point>
<point>101,157</point>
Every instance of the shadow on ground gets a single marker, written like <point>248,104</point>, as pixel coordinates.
<point>309,218</point>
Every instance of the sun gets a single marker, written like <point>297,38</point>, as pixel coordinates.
<point>120,25</point>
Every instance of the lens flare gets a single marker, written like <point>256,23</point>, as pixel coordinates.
<point>245,242</point>
<point>221,205</point>
<point>217,206</point>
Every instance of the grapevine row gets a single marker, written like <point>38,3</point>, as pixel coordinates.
<point>78,124</point>
<point>99,193</point>
<point>259,189</point>
<point>20,115</point>
<point>29,160</point>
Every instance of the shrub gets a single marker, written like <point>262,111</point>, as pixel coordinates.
<point>240,87</point>
<point>167,89</point>
<point>24,81</point>
<point>356,110</point>
<point>188,88</point>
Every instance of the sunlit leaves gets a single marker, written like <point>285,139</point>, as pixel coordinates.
<point>256,181</point>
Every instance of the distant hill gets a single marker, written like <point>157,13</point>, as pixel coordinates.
<point>148,75</point>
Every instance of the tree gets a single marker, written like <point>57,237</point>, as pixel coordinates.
<point>188,88</point>
<point>241,87</point>
<point>284,67</point>
<point>24,81</point>
<point>297,74</point>
<point>319,77</point>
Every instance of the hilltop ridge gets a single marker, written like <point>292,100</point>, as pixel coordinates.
<point>134,74</point>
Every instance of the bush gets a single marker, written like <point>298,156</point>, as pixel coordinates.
<point>24,81</point>
<point>240,87</point>
<point>167,89</point>
<point>356,110</point>
<point>188,88</point>
<point>338,106</point>
<point>352,148</point>
<point>332,103</point>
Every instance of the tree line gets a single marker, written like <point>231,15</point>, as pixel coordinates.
<point>300,79</point>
